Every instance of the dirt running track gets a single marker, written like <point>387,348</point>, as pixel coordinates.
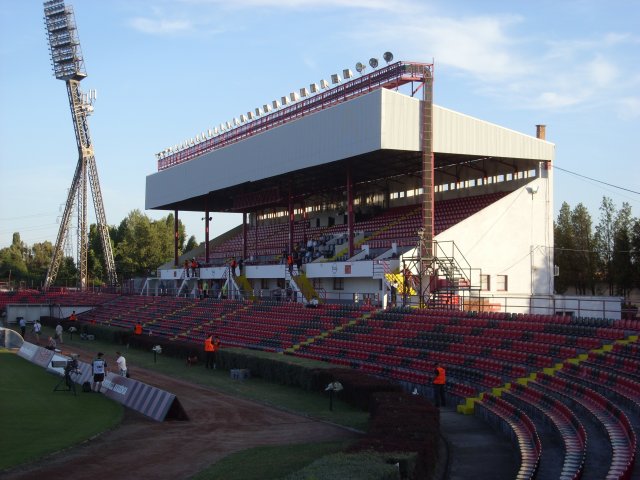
<point>141,448</point>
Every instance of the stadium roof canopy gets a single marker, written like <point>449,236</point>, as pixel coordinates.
<point>375,136</point>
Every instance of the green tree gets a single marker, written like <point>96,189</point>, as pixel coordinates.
<point>145,244</point>
<point>96,265</point>
<point>38,261</point>
<point>635,251</point>
<point>41,254</point>
<point>605,241</point>
<point>67,273</point>
<point>622,273</point>
<point>13,260</point>
<point>564,249</point>
<point>585,258</point>
<point>140,246</point>
<point>191,244</point>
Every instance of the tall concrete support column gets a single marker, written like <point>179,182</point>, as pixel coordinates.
<point>175,237</point>
<point>206,236</point>
<point>244,235</point>
<point>350,218</point>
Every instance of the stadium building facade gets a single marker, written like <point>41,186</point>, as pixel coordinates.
<point>345,177</point>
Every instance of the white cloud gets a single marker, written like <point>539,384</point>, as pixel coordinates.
<point>478,45</point>
<point>555,100</point>
<point>629,108</point>
<point>389,5</point>
<point>614,39</point>
<point>310,63</point>
<point>160,26</point>
<point>601,72</point>
<point>505,56</point>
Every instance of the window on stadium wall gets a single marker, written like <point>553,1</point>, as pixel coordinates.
<point>338,283</point>
<point>502,283</point>
<point>485,283</point>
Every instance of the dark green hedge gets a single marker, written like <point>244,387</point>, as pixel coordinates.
<point>401,422</point>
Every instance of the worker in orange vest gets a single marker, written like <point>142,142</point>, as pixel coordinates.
<point>290,264</point>
<point>438,385</point>
<point>194,268</point>
<point>233,266</point>
<point>209,352</point>
<point>137,330</point>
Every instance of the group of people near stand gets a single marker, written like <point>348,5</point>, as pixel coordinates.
<point>191,267</point>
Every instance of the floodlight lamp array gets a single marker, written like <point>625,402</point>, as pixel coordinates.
<point>64,46</point>
<point>284,101</point>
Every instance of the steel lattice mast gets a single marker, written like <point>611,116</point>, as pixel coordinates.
<point>68,65</point>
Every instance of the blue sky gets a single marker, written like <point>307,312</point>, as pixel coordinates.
<point>168,70</point>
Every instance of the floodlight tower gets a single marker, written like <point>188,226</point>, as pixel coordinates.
<point>68,65</point>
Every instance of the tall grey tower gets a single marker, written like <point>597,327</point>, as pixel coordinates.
<point>68,65</point>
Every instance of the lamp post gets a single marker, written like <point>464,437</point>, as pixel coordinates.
<point>156,350</point>
<point>333,387</point>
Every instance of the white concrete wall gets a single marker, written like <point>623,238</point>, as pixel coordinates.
<point>177,273</point>
<point>354,288</point>
<point>340,269</point>
<point>585,306</point>
<point>513,237</point>
<point>32,312</point>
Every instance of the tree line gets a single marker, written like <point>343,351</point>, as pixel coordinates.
<point>140,246</point>
<point>604,260</point>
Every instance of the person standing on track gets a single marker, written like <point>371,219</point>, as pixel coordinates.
<point>59,333</point>
<point>36,329</point>
<point>23,326</point>
<point>99,369</point>
<point>439,382</point>
<point>209,352</point>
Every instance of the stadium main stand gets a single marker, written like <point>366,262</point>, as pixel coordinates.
<point>456,214</point>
